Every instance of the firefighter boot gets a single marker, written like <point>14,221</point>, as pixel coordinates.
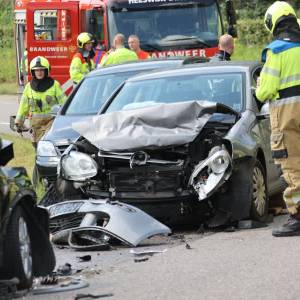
<point>290,228</point>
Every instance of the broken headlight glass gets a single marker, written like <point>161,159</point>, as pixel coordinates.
<point>219,162</point>
<point>78,166</point>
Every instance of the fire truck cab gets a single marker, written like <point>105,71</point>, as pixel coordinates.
<point>165,28</point>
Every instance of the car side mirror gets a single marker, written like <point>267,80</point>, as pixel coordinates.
<point>55,109</point>
<point>6,152</point>
<point>231,18</point>
<point>264,112</point>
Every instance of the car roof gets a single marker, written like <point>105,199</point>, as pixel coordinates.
<point>137,65</point>
<point>221,66</point>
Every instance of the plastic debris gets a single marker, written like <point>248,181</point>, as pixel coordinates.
<point>83,296</point>
<point>146,252</point>
<point>187,246</point>
<point>250,224</point>
<point>64,270</point>
<point>141,259</point>
<point>84,258</point>
<point>73,284</point>
<point>49,280</point>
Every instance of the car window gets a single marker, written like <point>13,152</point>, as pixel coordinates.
<point>223,88</point>
<point>94,91</point>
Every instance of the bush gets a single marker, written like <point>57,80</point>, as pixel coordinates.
<point>8,69</point>
<point>252,32</point>
<point>6,22</point>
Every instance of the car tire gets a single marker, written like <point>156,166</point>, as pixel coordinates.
<point>18,261</point>
<point>239,201</point>
<point>260,201</point>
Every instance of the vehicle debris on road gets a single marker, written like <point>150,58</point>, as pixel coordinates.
<point>84,296</point>
<point>84,258</point>
<point>69,285</point>
<point>146,252</point>
<point>64,270</point>
<point>100,223</point>
<point>141,259</point>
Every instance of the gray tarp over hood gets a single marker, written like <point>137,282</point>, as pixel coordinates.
<point>150,127</point>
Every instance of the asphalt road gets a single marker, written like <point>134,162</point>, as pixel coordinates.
<point>245,264</point>
<point>9,106</point>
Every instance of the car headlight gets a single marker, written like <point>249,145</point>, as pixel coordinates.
<point>78,166</point>
<point>45,148</point>
<point>219,162</point>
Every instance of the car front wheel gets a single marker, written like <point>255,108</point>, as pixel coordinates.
<point>259,204</point>
<point>17,249</point>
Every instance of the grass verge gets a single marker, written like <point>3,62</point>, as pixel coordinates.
<point>242,52</point>
<point>24,154</point>
<point>8,88</point>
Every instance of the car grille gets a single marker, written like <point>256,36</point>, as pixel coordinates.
<point>149,182</point>
<point>61,148</point>
<point>65,222</point>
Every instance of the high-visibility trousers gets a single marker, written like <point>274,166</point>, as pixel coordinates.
<point>40,125</point>
<point>285,145</point>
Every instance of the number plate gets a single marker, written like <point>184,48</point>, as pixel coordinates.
<point>64,208</point>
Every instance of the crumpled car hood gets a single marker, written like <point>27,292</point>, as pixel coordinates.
<point>151,127</point>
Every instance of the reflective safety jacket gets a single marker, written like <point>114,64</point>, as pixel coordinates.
<point>120,55</point>
<point>280,76</point>
<point>39,104</point>
<point>80,67</point>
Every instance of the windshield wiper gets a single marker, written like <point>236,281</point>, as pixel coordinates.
<point>148,46</point>
<point>194,39</point>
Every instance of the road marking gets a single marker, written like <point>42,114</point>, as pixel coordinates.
<point>4,123</point>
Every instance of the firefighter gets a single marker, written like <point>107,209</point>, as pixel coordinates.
<point>279,83</point>
<point>226,48</point>
<point>120,54</point>
<point>39,95</point>
<point>99,53</point>
<point>134,45</point>
<point>82,62</point>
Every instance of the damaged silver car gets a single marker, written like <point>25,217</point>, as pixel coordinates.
<point>180,144</point>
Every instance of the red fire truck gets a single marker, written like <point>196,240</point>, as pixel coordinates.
<point>165,28</point>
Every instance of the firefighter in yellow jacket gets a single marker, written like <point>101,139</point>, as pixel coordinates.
<point>280,84</point>
<point>120,54</point>
<point>82,62</point>
<point>39,96</point>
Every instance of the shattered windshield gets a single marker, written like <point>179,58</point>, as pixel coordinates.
<point>94,91</point>
<point>180,25</point>
<point>223,88</point>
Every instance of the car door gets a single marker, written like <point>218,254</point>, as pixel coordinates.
<point>275,184</point>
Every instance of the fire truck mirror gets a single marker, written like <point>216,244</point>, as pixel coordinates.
<point>230,12</point>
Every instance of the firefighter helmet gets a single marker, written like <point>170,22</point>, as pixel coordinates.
<point>276,12</point>
<point>84,38</point>
<point>40,62</point>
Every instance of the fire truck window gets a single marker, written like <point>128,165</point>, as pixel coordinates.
<point>52,25</point>
<point>93,23</point>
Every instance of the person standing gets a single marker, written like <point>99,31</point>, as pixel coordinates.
<point>120,53</point>
<point>82,62</point>
<point>39,96</point>
<point>99,53</point>
<point>226,48</point>
<point>279,83</point>
<point>134,45</point>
